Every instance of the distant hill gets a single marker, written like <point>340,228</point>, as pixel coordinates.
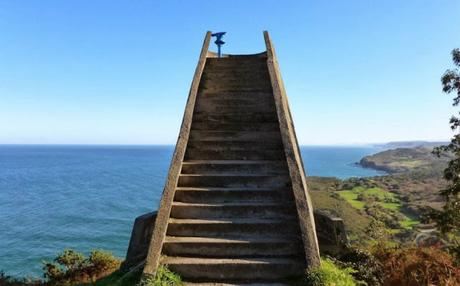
<point>401,160</point>
<point>411,144</point>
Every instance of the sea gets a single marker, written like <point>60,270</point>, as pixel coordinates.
<point>54,197</point>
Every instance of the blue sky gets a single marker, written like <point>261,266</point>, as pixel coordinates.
<point>118,72</point>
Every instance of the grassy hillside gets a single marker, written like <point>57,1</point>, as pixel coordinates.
<point>324,197</point>
<point>415,175</point>
<point>403,160</point>
<point>396,200</point>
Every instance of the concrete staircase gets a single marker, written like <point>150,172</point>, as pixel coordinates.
<point>233,217</point>
<point>235,208</point>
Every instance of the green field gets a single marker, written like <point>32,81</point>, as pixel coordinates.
<point>384,198</point>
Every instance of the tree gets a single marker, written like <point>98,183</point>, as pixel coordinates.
<point>448,219</point>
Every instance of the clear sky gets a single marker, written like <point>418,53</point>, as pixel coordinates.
<point>118,72</point>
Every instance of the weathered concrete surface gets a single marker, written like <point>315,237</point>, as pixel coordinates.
<point>235,207</point>
<point>330,230</point>
<point>140,240</point>
<point>331,234</point>
<point>294,160</point>
<point>161,224</point>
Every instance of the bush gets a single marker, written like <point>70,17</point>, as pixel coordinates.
<point>367,267</point>
<point>71,267</point>
<point>101,263</point>
<point>413,266</point>
<point>329,274</point>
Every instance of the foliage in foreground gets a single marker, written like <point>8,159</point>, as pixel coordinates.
<point>366,266</point>
<point>164,277</point>
<point>413,266</point>
<point>71,267</point>
<point>383,264</point>
<point>329,274</point>
<point>448,219</point>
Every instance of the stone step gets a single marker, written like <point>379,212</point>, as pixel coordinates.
<point>233,180</point>
<point>278,210</point>
<point>216,154</point>
<point>235,99</point>
<point>234,166</point>
<point>257,136</point>
<point>235,117</point>
<point>235,63</point>
<point>249,67</point>
<point>234,228</point>
<point>254,65</point>
<point>234,195</point>
<point>243,97</point>
<point>235,88</point>
<point>226,79</point>
<point>237,126</point>
<point>234,145</point>
<point>221,269</point>
<point>228,107</point>
<point>227,75</point>
<point>230,248</point>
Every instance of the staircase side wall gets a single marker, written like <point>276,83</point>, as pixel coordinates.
<point>161,222</point>
<point>294,160</point>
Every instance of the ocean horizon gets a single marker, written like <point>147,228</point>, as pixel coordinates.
<point>84,197</point>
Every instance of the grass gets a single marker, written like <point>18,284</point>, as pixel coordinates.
<point>330,274</point>
<point>163,277</point>
<point>351,197</point>
<point>409,223</point>
<point>384,198</point>
<point>408,163</point>
<point>324,197</point>
<point>392,206</point>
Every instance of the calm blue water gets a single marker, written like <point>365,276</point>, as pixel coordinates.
<point>86,197</point>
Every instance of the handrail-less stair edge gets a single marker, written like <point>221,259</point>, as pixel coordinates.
<point>293,157</point>
<point>164,210</point>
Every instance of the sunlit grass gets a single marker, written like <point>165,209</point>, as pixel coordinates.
<point>352,198</point>
<point>384,198</point>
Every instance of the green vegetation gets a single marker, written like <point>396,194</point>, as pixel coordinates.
<point>324,197</point>
<point>351,197</point>
<point>382,264</point>
<point>403,160</point>
<point>73,268</point>
<point>448,218</point>
<point>380,204</point>
<point>329,274</point>
<point>164,277</point>
<point>70,267</point>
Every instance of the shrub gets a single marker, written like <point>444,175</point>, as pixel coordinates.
<point>329,274</point>
<point>413,266</point>
<point>101,263</point>
<point>71,267</point>
<point>377,230</point>
<point>367,267</point>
